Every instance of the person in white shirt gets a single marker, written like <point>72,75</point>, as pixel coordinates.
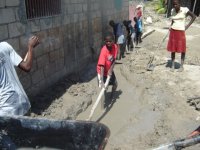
<point>13,99</point>
<point>177,39</point>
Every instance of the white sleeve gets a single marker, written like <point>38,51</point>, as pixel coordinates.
<point>186,10</point>
<point>15,58</point>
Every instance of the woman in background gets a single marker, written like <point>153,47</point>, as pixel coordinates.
<point>177,39</point>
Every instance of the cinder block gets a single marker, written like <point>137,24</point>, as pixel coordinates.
<point>57,21</point>
<point>37,76</point>
<point>71,9</point>
<point>66,19</point>
<point>7,15</point>
<point>16,29</point>
<point>14,43</point>
<point>3,32</point>
<point>46,23</point>
<point>35,25</point>
<point>34,65</point>
<point>26,81</point>
<point>2,3</point>
<point>62,53</point>
<point>54,55</point>
<point>59,64</point>
<point>49,69</point>
<point>42,61</point>
<point>12,3</point>
<point>85,7</point>
<point>55,38</point>
<point>23,43</point>
<point>44,42</point>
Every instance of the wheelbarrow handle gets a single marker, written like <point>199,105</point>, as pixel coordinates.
<point>183,143</point>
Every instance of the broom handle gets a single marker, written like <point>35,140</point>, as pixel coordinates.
<point>99,97</point>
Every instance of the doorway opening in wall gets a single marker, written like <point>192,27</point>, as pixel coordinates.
<point>42,8</point>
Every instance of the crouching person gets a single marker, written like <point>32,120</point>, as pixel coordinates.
<point>13,99</point>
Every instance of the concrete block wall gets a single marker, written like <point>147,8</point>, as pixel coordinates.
<point>68,41</point>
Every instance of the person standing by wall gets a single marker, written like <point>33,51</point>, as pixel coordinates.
<point>130,34</point>
<point>138,31</point>
<point>119,38</point>
<point>177,39</point>
<point>13,99</point>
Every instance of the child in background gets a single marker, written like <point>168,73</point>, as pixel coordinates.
<point>138,30</point>
<point>119,38</point>
<point>130,34</point>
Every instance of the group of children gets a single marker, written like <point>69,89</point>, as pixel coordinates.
<point>115,46</point>
<point>132,37</point>
<point>134,33</point>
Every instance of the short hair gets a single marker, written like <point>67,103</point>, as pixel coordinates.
<point>125,22</point>
<point>111,22</point>
<point>109,34</point>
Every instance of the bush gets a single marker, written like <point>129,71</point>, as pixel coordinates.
<point>161,11</point>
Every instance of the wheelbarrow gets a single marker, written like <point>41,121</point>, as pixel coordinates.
<point>25,133</point>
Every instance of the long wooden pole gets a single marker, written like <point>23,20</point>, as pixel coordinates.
<point>195,2</point>
<point>99,98</point>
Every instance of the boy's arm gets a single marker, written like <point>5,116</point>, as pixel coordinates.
<point>26,64</point>
<point>195,132</point>
<point>102,72</point>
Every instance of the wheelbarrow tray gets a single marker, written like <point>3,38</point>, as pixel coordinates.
<point>26,132</point>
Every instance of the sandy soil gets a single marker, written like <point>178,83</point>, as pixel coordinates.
<point>150,107</point>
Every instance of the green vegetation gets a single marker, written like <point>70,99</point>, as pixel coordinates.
<point>160,7</point>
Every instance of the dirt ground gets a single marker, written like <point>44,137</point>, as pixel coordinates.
<point>150,107</point>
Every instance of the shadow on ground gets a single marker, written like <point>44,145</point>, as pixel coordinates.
<point>109,103</point>
<point>41,102</point>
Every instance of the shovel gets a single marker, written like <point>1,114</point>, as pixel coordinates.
<point>99,98</point>
<point>180,144</point>
<point>150,65</point>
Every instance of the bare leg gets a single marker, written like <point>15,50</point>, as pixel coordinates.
<point>182,62</point>
<point>173,59</point>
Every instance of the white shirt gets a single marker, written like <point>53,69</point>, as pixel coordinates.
<point>179,18</point>
<point>13,99</point>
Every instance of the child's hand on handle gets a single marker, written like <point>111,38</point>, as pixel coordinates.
<point>101,83</point>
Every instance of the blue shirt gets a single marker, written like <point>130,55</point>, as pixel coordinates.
<point>118,29</point>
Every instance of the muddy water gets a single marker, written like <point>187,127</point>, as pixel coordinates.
<point>127,116</point>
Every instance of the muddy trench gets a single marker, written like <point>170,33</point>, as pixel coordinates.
<point>150,108</point>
